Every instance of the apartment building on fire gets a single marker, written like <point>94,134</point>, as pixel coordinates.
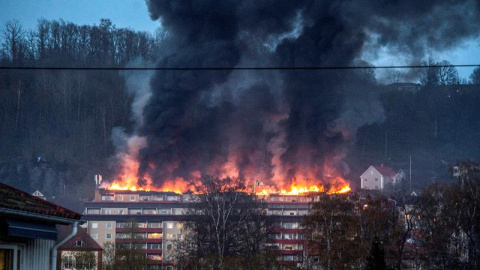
<point>160,217</point>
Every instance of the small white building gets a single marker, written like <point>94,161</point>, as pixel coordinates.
<point>378,177</point>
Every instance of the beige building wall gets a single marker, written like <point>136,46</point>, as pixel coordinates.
<point>102,231</point>
<point>172,231</point>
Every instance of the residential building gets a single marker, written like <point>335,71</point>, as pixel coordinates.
<point>405,86</point>
<point>79,247</point>
<point>28,232</point>
<point>379,177</point>
<point>160,216</point>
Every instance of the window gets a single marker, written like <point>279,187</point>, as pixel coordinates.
<point>290,225</point>
<point>94,225</point>
<point>121,211</point>
<point>154,225</point>
<point>169,247</point>
<point>169,225</point>
<point>122,236</point>
<point>107,198</point>
<point>179,225</point>
<point>154,257</point>
<point>94,235</point>
<point>376,179</point>
<point>154,246</point>
<point>9,255</point>
<point>121,224</point>
<point>154,235</point>
<point>94,211</point>
<point>132,198</point>
<point>80,243</point>
<point>135,211</point>
<point>170,236</point>
<point>68,261</point>
<point>149,211</point>
<point>107,211</point>
<point>108,225</point>
<point>119,197</point>
<point>108,236</point>
<point>164,211</point>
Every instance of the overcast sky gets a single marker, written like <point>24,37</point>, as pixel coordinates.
<point>133,14</point>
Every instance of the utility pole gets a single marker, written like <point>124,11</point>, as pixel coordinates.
<point>386,141</point>
<point>410,173</point>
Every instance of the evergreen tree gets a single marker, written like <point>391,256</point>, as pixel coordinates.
<point>376,259</point>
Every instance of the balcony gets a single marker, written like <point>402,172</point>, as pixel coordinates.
<point>139,230</point>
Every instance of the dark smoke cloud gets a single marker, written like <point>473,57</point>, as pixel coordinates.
<point>277,124</point>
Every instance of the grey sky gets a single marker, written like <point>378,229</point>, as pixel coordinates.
<point>133,14</point>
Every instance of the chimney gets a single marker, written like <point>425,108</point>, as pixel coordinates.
<point>98,180</point>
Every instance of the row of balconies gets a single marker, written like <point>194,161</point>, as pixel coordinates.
<point>178,211</point>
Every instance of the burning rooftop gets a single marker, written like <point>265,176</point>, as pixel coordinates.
<point>334,186</point>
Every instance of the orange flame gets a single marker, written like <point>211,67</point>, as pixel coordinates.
<point>338,186</point>
<point>127,178</point>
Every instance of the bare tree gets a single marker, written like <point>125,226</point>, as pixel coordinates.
<point>475,76</point>
<point>13,41</point>
<point>131,253</point>
<point>228,227</point>
<point>333,233</point>
<point>439,73</point>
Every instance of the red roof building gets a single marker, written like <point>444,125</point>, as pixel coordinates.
<point>28,232</point>
<point>80,246</point>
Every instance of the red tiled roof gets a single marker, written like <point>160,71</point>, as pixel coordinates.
<point>82,235</point>
<point>385,171</point>
<point>14,199</point>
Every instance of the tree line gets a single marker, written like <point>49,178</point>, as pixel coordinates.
<point>439,229</point>
<point>55,125</point>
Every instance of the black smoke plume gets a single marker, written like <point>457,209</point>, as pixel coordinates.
<point>277,125</point>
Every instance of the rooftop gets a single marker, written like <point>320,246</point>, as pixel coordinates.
<point>22,202</point>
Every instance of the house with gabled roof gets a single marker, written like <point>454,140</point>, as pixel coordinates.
<point>39,194</point>
<point>377,177</point>
<point>28,233</point>
<point>79,252</point>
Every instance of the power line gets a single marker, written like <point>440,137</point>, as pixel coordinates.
<point>229,68</point>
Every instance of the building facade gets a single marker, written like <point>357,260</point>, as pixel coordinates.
<point>378,177</point>
<point>28,232</point>
<point>159,218</point>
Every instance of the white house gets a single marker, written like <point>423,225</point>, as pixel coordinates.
<point>377,177</point>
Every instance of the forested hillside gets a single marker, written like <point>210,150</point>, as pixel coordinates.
<point>436,127</point>
<point>55,125</point>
